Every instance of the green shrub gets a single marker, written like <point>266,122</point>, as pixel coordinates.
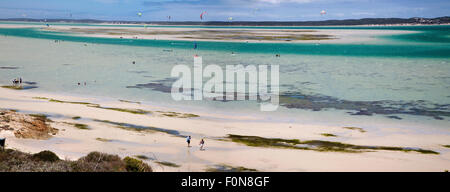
<point>134,165</point>
<point>46,156</point>
<point>100,157</point>
<point>46,161</point>
<point>99,162</point>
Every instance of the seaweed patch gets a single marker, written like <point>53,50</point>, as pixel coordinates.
<point>138,72</point>
<point>368,108</point>
<point>317,145</point>
<point>168,164</point>
<point>19,87</point>
<point>9,67</point>
<point>139,128</point>
<point>229,168</point>
<point>162,85</point>
<point>356,128</point>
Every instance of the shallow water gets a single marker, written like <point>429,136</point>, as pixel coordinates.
<point>407,74</point>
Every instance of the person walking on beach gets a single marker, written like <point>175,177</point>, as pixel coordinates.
<point>188,140</point>
<point>202,143</point>
<point>15,81</point>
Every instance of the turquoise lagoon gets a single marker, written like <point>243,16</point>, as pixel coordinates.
<point>403,78</point>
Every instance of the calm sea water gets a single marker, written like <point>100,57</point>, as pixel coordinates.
<point>407,75</point>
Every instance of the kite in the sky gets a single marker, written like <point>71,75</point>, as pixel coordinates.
<point>201,15</point>
<point>323,12</point>
<point>139,14</point>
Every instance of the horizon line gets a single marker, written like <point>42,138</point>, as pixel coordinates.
<point>250,21</point>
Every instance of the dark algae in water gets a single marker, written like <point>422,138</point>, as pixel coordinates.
<point>368,108</point>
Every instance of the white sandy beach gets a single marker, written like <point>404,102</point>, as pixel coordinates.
<point>72,143</point>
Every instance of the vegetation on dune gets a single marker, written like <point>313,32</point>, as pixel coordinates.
<point>99,162</point>
<point>317,145</point>
<point>46,156</point>
<point>46,161</point>
<point>76,118</point>
<point>135,165</point>
<point>16,161</point>
<point>448,146</point>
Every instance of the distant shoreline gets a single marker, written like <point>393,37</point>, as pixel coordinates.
<point>347,22</point>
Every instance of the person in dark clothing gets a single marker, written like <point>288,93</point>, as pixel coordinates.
<point>2,143</point>
<point>202,143</point>
<point>188,140</point>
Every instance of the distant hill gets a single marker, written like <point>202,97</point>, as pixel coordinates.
<point>365,21</point>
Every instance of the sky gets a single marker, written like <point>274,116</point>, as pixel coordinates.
<point>222,10</point>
